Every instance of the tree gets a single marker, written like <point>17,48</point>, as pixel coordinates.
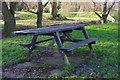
<point>39,12</point>
<point>8,12</point>
<point>105,12</point>
<point>54,8</point>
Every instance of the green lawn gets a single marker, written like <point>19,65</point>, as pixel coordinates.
<point>106,46</point>
<point>29,19</point>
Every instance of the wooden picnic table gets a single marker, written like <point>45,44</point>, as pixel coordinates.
<point>59,34</point>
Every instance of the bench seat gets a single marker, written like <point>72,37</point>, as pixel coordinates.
<point>78,44</point>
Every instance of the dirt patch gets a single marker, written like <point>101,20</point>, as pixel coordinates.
<point>42,66</point>
<point>45,64</point>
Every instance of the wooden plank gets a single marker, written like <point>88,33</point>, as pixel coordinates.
<point>28,55</point>
<point>58,40</point>
<point>43,40</point>
<point>86,36</point>
<point>51,29</point>
<point>78,44</point>
<point>73,40</point>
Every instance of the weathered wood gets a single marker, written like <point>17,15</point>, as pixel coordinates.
<point>86,36</point>
<point>58,40</point>
<point>39,41</point>
<point>70,38</point>
<point>51,29</point>
<point>78,44</point>
<point>28,55</point>
<point>60,45</point>
<point>74,40</point>
<point>52,43</point>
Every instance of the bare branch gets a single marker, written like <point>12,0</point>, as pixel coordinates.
<point>33,12</point>
<point>110,8</point>
<point>46,3</point>
<point>97,14</point>
<point>93,3</point>
<point>29,9</point>
<point>95,9</point>
<point>26,6</point>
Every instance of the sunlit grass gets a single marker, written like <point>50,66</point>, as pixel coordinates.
<point>106,45</point>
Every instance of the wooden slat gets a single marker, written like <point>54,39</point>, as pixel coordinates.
<point>78,44</point>
<point>74,40</point>
<point>43,40</point>
<point>51,29</point>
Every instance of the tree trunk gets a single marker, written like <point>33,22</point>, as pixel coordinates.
<point>118,12</point>
<point>54,9</point>
<point>39,14</point>
<point>9,18</point>
<point>104,16</point>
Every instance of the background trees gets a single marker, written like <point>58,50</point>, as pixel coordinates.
<point>106,10</point>
<point>39,12</point>
<point>53,8</point>
<point>102,10</point>
<point>8,11</point>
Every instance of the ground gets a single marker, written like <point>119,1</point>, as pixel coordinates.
<point>39,68</point>
<point>102,63</point>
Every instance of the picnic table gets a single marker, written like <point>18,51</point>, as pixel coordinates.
<point>59,34</point>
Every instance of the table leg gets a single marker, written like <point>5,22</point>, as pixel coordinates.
<point>28,55</point>
<point>52,43</point>
<point>60,45</point>
<point>69,36</point>
<point>86,36</point>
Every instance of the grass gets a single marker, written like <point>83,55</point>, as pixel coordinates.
<point>106,49</point>
<point>82,16</point>
<point>106,46</point>
<point>29,19</point>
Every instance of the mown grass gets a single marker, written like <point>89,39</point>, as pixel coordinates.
<point>81,16</point>
<point>106,46</point>
<point>29,19</point>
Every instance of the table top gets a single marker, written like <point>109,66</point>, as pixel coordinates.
<point>51,29</point>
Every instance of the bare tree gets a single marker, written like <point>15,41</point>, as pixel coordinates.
<point>8,12</point>
<point>39,12</point>
<point>54,8</point>
<point>105,12</point>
